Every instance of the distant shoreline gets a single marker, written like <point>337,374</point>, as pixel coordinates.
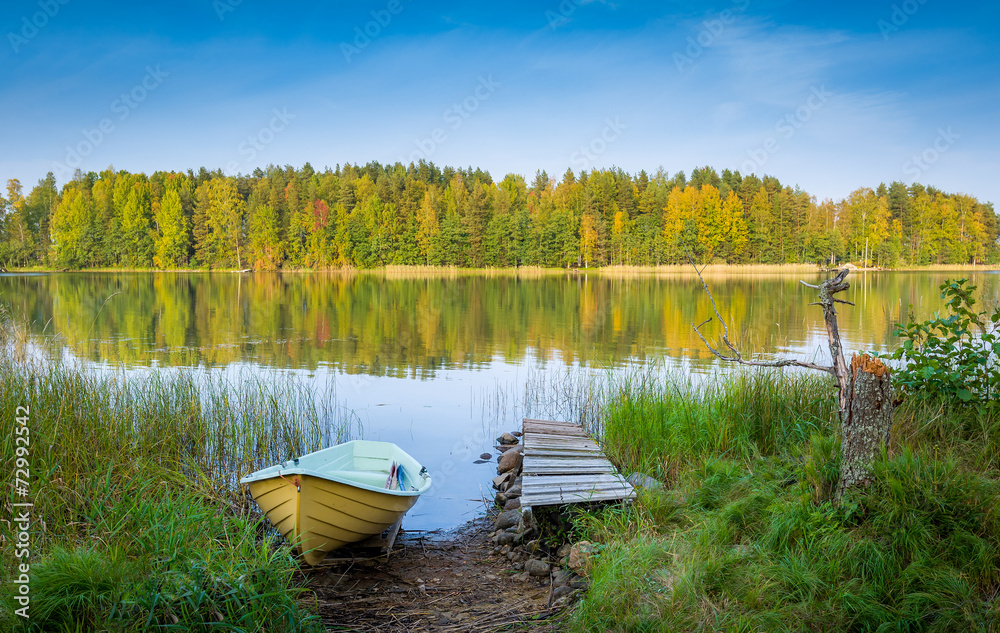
<point>536,271</point>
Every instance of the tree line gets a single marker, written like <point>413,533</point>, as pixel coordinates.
<point>376,215</point>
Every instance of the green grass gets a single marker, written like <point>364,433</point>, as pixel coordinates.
<point>661,428</point>
<point>137,522</point>
<point>744,537</point>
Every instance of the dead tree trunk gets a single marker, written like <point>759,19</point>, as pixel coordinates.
<point>865,425</point>
<point>865,392</point>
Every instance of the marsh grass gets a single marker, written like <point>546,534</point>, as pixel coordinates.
<point>661,423</point>
<point>743,537</point>
<point>137,520</point>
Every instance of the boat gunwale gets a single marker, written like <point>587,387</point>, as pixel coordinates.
<point>260,476</point>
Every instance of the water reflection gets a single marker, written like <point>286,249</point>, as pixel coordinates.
<point>416,359</point>
<point>414,328</point>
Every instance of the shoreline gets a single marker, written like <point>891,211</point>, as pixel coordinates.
<point>531,271</point>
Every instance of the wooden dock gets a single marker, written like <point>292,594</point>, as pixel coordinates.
<point>563,464</point>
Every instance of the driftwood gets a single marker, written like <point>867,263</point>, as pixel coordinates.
<point>865,395</point>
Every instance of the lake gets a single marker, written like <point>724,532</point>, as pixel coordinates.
<point>440,364</point>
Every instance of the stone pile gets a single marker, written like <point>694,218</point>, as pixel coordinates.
<point>517,533</point>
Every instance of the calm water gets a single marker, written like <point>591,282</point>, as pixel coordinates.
<point>421,360</point>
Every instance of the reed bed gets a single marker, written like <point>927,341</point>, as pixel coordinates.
<point>709,270</point>
<point>137,520</point>
<point>742,535</point>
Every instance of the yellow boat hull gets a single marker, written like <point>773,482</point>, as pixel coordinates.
<point>321,511</point>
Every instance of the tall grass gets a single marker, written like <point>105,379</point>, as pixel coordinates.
<point>661,424</point>
<point>744,537</point>
<point>137,522</point>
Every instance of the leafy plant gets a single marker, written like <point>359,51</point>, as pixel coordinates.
<point>953,358</point>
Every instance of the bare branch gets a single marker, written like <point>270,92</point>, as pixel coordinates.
<point>738,358</point>
<point>725,328</point>
<point>826,299</point>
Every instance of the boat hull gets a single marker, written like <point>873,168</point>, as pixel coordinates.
<point>321,511</point>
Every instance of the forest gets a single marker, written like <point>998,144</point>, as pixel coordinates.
<point>378,215</point>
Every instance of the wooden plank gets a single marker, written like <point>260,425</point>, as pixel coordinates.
<point>570,468</point>
<point>531,480</point>
<point>561,429</point>
<point>552,452</point>
<point>564,490</point>
<point>563,446</point>
<point>535,424</point>
<point>594,457</point>
<point>531,464</point>
<point>556,499</point>
<point>554,440</point>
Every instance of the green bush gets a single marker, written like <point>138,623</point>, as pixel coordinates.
<point>951,358</point>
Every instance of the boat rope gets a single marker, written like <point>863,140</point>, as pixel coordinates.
<point>294,481</point>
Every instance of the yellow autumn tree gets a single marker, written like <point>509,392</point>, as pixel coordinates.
<point>737,232</point>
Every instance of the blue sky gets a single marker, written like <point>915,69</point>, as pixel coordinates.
<point>826,96</point>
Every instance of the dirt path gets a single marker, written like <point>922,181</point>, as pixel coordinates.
<point>432,582</point>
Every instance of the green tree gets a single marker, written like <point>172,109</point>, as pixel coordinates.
<point>73,229</point>
<point>172,238</point>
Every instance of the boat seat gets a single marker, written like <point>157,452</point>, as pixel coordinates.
<point>367,477</point>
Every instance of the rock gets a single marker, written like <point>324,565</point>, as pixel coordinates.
<point>512,555</point>
<point>504,450</point>
<point>516,433</point>
<point>519,566</point>
<point>512,504</point>
<point>517,481</point>
<point>486,456</point>
<point>562,591</point>
<point>577,582</point>
<point>507,538</point>
<point>511,460</point>
<point>536,567</point>
<point>561,577</point>
<point>523,576</point>
<point>580,554</point>
<point>500,480</point>
<point>528,519</point>
<point>563,550</point>
<point>638,480</point>
<point>507,519</point>
<point>501,499</point>
<point>514,491</point>
<point>507,438</point>
<point>532,547</point>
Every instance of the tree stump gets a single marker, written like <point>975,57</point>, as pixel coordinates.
<point>865,422</point>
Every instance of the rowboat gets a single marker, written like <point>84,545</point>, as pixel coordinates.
<point>339,495</point>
